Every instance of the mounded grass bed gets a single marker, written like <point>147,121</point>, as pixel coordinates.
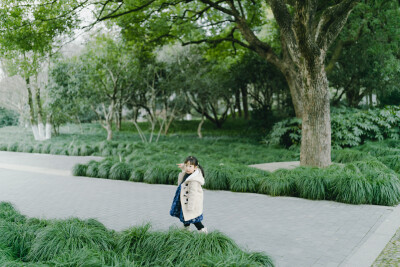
<point>356,182</point>
<point>75,242</point>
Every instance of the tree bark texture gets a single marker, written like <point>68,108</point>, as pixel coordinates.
<point>307,36</point>
<point>316,124</point>
<point>30,102</point>
<point>245,102</point>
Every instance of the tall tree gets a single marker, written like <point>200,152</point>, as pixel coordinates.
<point>366,55</point>
<point>307,29</point>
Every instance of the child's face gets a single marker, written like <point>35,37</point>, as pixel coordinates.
<point>190,168</point>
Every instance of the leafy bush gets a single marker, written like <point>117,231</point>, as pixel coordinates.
<point>350,127</point>
<point>8,117</point>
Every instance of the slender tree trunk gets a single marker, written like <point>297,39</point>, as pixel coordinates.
<point>245,102</point>
<point>48,128</point>
<point>42,132</point>
<point>109,131</point>
<point>119,119</point>
<point>237,103</point>
<point>199,127</point>
<point>316,124</point>
<point>30,102</point>
<point>32,120</point>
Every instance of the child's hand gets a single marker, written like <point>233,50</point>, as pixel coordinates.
<point>181,166</point>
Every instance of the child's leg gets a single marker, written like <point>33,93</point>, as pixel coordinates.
<point>199,225</point>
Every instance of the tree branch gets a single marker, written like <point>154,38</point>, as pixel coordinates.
<point>332,21</point>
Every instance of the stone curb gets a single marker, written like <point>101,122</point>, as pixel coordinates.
<point>368,252</point>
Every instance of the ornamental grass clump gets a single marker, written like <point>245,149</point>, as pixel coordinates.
<point>378,150</point>
<point>351,186</point>
<point>12,147</point>
<point>279,183</point>
<point>167,248</point>
<point>69,236</point>
<point>6,255</point>
<point>19,237</point>
<point>79,257</point>
<point>137,174</point>
<point>9,214</point>
<point>85,150</point>
<point>246,179</point>
<point>217,177</point>
<point>312,183</point>
<point>392,162</point>
<point>104,168</point>
<point>79,170</point>
<point>349,155</point>
<point>384,181</point>
<point>92,168</point>
<point>120,171</point>
<point>161,173</point>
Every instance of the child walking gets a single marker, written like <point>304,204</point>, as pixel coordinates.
<point>188,201</point>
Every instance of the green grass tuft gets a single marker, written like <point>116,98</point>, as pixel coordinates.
<point>217,177</point>
<point>104,168</point>
<point>92,168</point>
<point>120,171</point>
<point>69,236</point>
<point>279,183</point>
<point>350,155</point>
<point>79,170</point>
<point>392,162</point>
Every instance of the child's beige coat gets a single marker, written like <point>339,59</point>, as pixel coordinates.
<point>191,194</point>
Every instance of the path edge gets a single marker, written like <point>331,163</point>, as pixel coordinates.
<point>370,250</point>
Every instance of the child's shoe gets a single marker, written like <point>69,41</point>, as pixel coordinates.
<point>203,230</point>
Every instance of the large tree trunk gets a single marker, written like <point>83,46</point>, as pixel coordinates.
<point>294,80</point>
<point>109,130</point>
<point>316,124</point>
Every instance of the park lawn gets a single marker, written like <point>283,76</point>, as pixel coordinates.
<point>74,242</point>
<point>368,174</point>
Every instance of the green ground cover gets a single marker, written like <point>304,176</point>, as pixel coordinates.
<point>74,242</point>
<point>390,256</point>
<point>366,174</point>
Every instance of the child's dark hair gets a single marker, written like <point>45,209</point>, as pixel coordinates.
<point>192,160</point>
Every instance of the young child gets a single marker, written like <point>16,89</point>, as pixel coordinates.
<point>188,201</point>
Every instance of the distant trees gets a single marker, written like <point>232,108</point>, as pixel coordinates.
<point>28,33</point>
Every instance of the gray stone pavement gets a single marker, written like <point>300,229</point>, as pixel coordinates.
<point>293,231</point>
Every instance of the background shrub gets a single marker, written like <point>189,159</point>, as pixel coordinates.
<point>350,127</point>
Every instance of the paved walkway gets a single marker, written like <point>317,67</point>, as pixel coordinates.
<point>294,231</point>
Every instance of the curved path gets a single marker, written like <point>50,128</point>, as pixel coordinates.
<point>295,232</point>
